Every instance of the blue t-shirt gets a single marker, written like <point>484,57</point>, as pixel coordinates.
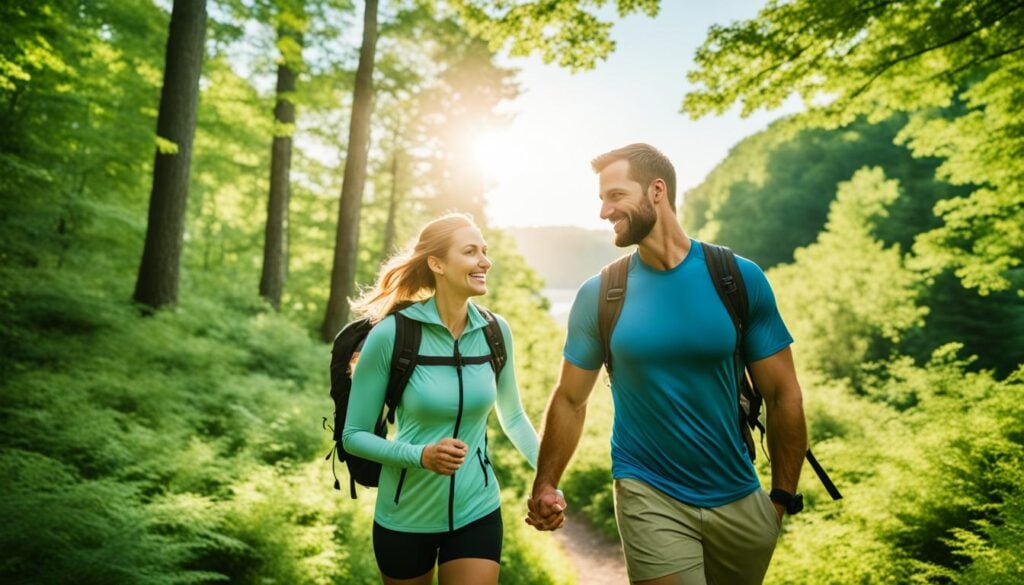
<point>674,386</point>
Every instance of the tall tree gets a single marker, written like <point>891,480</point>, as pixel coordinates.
<point>567,31</point>
<point>347,240</point>
<point>393,196</point>
<point>157,284</point>
<point>847,59</point>
<point>275,244</point>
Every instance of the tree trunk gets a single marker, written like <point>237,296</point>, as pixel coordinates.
<point>275,246</point>
<point>157,284</point>
<point>347,241</point>
<point>389,227</point>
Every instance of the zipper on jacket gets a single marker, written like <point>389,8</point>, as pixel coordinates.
<point>455,435</point>
<point>487,460</point>
<point>401,482</point>
<point>483,466</point>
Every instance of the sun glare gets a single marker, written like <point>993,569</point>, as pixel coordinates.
<point>492,151</point>
<point>533,179</point>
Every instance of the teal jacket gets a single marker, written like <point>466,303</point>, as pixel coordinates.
<point>437,399</point>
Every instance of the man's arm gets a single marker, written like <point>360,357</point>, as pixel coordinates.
<point>775,377</point>
<point>563,424</point>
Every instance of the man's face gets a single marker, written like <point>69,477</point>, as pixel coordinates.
<point>624,202</point>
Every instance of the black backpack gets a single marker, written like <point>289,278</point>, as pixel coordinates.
<point>725,274</point>
<point>405,355</point>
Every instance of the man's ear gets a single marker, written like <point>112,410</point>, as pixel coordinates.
<point>658,190</point>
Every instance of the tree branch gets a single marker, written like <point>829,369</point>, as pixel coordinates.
<point>950,41</point>
<point>952,72</point>
<point>875,7</point>
<point>800,51</point>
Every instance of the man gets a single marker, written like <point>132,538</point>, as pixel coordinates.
<point>688,502</point>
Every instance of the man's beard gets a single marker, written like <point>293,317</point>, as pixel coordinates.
<point>641,222</point>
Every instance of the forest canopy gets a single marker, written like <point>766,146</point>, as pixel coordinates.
<point>954,67</point>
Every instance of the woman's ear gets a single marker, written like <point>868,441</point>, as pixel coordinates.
<point>435,265</point>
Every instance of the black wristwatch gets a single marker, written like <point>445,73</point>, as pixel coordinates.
<point>792,503</point>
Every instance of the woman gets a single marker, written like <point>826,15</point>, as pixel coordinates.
<point>438,499</point>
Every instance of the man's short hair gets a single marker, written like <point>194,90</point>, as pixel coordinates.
<point>646,163</point>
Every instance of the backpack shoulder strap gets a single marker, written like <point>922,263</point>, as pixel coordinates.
<point>495,341</point>
<point>728,281</point>
<point>403,361</point>
<point>609,304</point>
<point>725,274</point>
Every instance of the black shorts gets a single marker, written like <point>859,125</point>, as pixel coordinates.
<point>406,555</point>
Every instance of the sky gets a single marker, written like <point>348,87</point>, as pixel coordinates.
<point>562,120</point>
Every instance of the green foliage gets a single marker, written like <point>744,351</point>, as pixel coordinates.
<point>990,327</point>
<point>527,556</point>
<point>565,31</point>
<point>930,492</point>
<point>229,178</point>
<point>78,84</point>
<point>187,447</point>
<point>983,237</point>
<point>167,450</point>
<point>771,195</point>
<point>294,530</point>
<point>94,530</point>
<point>849,59</point>
<point>848,297</point>
<point>993,546</point>
<point>590,494</point>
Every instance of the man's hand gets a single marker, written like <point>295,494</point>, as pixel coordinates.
<point>547,509</point>
<point>563,425</point>
<point>444,457</point>
<point>781,511</point>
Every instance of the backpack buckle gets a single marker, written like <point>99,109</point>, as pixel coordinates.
<point>729,284</point>
<point>615,294</point>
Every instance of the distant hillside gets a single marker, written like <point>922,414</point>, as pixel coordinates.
<point>565,256</point>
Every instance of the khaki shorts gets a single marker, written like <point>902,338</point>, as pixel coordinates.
<point>661,536</point>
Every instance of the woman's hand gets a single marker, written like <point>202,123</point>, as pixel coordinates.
<point>547,508</point>
<point>444,457</point>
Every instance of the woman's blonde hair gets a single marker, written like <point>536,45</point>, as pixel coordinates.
<point>406,278</point>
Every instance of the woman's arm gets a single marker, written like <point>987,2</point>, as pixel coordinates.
<point>511,415</point>
<point>369,384</point>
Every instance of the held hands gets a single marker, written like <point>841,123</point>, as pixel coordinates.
<point>547,508</point>
<point>444,457</point>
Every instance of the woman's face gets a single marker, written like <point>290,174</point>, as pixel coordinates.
<point>464,268</point>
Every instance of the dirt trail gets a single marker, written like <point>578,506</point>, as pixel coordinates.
<point>596,559</point>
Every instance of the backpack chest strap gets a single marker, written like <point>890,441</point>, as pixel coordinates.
<point>447,360</point>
